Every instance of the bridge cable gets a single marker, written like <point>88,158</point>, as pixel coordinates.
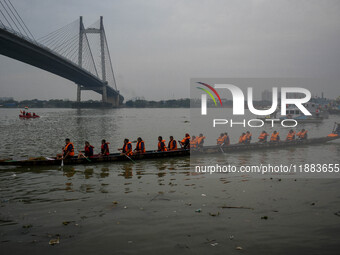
<point>2,23</point>
<point>52,40</point>
<point>15,16</point>
<point>108,53</point>
<point>9,15</point>
<point>6,19</point>
<point>64,40</point>
<point>86,63</point>
<point>71,45</point>
<point>87,42</point>
<point>56,31</point>
<point>21,20</point>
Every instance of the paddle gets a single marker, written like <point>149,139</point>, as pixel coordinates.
<point>127,156</point>
<point>84,156</point>
<point>221,148</point>
<point>62,159</point>
<point>130,158</point>
<point>334,127</point>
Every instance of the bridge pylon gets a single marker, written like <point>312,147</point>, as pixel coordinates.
<point>115,100</point>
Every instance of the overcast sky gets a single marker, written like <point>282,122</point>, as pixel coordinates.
<point>157,46</point>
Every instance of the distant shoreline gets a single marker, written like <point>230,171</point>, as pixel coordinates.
<point>137,103</point>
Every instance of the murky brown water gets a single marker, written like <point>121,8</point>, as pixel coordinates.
<point>155,206</point>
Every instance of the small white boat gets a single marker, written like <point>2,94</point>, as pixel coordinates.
<point>292,112</point>
<point>318,114</point>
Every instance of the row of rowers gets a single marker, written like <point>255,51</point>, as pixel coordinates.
<point>185,143</point>
<point>274,137</point>
<point>68,149</point>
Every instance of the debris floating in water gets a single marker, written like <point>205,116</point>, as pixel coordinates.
<point>54,241</point>
<point>214,214</point>
<point>236,207</point>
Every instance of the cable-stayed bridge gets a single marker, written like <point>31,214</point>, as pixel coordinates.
<point>73,52</point>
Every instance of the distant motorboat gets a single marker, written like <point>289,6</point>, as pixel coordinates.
<point>294,113</point>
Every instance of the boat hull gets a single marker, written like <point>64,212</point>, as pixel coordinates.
<point>28,117</point>
<point>97,159</point>
<point>262,146</point>
<point>334,111</point>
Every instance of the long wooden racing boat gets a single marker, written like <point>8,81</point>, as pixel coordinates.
<point>266,145</point>
<point>116,157</point>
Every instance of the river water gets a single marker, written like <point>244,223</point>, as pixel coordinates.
<point>157,205</point>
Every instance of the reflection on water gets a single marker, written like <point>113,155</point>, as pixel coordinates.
<point>127,171</point>
<point>155,206</point>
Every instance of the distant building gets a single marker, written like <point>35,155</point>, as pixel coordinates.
<point>295,95</point>
<point>266,95</point>
<point>6,99</point>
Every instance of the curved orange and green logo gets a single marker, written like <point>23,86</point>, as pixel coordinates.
<point>209,93</point>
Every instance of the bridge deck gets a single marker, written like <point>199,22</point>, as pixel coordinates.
<point>18,48</point>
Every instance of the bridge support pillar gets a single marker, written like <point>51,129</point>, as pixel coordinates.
<point>114,100</point>
<point>78,93</point>
<point>104,95</point>
<point>117,101</point>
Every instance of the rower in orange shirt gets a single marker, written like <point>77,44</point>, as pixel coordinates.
<point>140,146</point>
<point>185,143</point>
<point>127,148</point>
<point>226,139</point>
<point>68,150</point>
<point>275,137</point>
<point>200,141</point>
<point>302,134</point>
<point>172,146</point>
<point>161,144</point>
<point>220,139</point>
<point>193,142</point>
<point>290,135</point>
<point>263,137</point>
<point>248,137</point>
<point>242,138</point>
<point>104,149</point>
